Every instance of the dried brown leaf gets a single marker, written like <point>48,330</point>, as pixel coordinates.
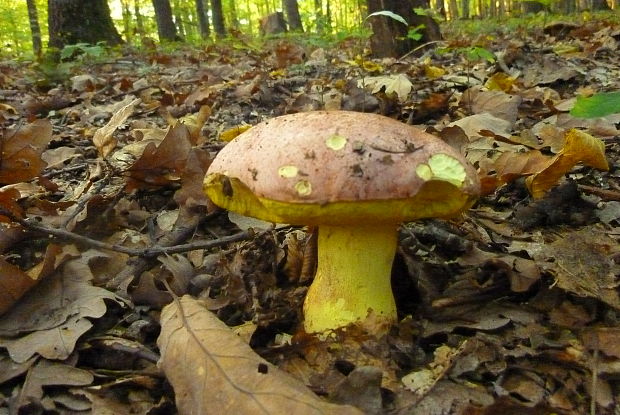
<point>163,164</point>
<point>53,315</point>
<point>20,152</point>
<point>213,371</point>
<point>8,202</point>
<point>103,138</point>
<point>14,282</point>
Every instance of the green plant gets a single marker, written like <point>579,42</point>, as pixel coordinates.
<point>415,33</point>
<point>83,52</point>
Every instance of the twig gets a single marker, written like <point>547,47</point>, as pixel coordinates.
<point>148,252</point>
<point>602,193</point>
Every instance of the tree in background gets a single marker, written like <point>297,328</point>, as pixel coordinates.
<point>203,19</point>
<point>76,21</point>
<point>33,17</point>
<point>291,9</point>
<point>319,17</point>
<point>389,38</point>
<point>165,25</point>
<point>218,19</point>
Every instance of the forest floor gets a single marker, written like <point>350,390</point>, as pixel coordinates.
<point>513,308</point>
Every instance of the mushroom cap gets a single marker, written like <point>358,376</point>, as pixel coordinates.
<point>338,168</point>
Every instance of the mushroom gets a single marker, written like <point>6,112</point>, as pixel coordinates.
<point>356,177</point>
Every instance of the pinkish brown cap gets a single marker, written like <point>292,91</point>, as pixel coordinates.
<point>340,167</point>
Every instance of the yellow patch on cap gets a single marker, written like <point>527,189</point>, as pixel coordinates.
<point>336,142</point>
<point>303,188</point>
<point>288,171</point>
<point>442,167</point>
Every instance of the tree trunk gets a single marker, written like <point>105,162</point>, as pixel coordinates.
<point>203,19</point>
<point>165,25</point>
<point>389,38</point>
<point>178,20</point>
<point>319,17</point>
<point>328,16</point>
<point>75,21</point>
<point>465,13</point>
<point>126,21</point>
<point>218,19</point>
<point>600,5</point>
<point>492,9</point>
<point>234,19</point>
<point>530,7</point>
<point>35,29</point>
<point>139,21</point>
<point>454,10</point>
<point>292,14</point>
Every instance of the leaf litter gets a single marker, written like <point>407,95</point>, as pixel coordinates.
<point>514,308</point>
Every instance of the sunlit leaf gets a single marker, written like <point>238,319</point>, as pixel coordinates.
<point>389,14</point>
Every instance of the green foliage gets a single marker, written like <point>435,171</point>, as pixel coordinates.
<point>415,33</point>
<point>83,52</point>
<point>50,73</point>
<point>471,53</point>
<point>15,36</point>
<point>598,105</point>
<point>477,53</point>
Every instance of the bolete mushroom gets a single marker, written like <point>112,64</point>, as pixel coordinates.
<point>355,176</point>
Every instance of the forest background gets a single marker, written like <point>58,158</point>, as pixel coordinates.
<point>24,24</point>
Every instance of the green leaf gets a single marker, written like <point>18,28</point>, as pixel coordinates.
<point>415,33</point>
<point>598,105</point>
<point>476,52</point>
<point>389,14</point>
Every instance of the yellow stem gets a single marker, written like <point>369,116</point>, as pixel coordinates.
<point>352,278</point>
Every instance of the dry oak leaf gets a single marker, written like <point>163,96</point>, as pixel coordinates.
<point>53,315</point>
<point>214,371</point>
<point>14,282</point>
<point>103,138</point>
<point>20,152</point>
<point>163,164</point>
<point>578,147</point>
<point>8,203</point>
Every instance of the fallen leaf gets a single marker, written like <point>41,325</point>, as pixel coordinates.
<point>20,152</point>
<point>399,85</point>
<point>14,282</point>
<point>578,147</point>
<point>8,202</point>
<point>474,124</point>
<point>46,373</point>
<point>500,81</point>
<point>233,132</point>
<point>497,103</point>
<point>213,371</point>
<point>163,164</point>
<point>103,138</point>
<point>53,315</point>
<point>583,264</point>
<point>190,195</point>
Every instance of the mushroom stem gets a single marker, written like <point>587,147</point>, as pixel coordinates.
<point>352,278</point>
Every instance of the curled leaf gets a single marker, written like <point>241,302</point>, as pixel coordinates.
<point>579,147</point>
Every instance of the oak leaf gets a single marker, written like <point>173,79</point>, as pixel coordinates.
<point>213,371</point>
<point>20,152</point>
